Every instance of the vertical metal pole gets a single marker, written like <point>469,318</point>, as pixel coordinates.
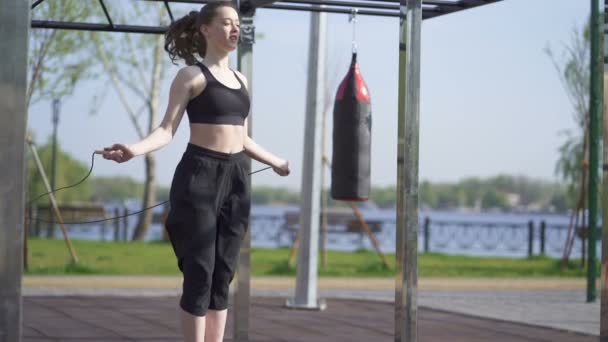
<point>324,194</point>
<point>543,228</point>
<point>595,111</point>
<point>427,234</point>
<point>55,121</point>
<point>116,224</point>
<point>242,292</point>
<point>406,282</point>
<point>530,238</point>
<point>125,224</point>
<point>306,277</point>
<point>14,25</point>
<point>604,275</point>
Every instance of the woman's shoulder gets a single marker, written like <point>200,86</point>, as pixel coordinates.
<point>241,76</point>
<point>190,74</point>
<point>190,71</point>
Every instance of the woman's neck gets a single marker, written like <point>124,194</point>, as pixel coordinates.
<point>218,59</point>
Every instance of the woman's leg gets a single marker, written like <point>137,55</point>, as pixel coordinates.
<point>216,323</point>
<point>231,228</point>
<point>193,327</point>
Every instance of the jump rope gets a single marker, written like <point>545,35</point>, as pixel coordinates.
<point>107,219</point>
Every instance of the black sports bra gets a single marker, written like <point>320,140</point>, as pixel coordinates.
<point>219,104</point>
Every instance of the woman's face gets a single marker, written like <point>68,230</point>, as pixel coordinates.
<point>224,30</point>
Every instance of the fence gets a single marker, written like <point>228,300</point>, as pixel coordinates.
<point>518,238</point>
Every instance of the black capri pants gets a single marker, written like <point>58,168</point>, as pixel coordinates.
<point>207,221</point>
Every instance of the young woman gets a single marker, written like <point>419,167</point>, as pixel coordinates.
<point>209,194</point>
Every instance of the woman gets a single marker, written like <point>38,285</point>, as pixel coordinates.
<point>209,194</point>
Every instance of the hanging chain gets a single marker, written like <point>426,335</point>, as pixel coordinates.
<point>352,18</point>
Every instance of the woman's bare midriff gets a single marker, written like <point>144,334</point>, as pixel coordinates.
<point>221,138</point>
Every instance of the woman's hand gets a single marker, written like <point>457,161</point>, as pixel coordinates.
<point>119,153</point>
<point>281,168</point>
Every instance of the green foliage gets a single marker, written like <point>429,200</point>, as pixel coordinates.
<point>470,192</point>
<point>492,198</point>
<point>493,193</point>
<point>270,195</point>
<point>573,70</point>
<point>383,196</point>
<point>69,171</point>
<point>121,188</point>
<point>116,188</point>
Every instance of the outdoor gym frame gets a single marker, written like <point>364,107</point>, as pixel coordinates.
<point>14,27</point>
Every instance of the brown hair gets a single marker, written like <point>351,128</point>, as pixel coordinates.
<point>183,38</point>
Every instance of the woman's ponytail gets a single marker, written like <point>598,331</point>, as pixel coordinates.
<point>184,40</point>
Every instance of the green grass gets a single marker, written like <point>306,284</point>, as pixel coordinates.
<point>157,258</point>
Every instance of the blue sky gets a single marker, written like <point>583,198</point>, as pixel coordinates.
<point>491,100</point>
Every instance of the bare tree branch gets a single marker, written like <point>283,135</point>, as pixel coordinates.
<point>44,48</point>
<point>129,84</point>
<point>117,86</point>
<point>138,66</point>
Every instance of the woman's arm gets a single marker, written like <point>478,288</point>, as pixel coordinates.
<point>179,95</point>
<point>255,151</point>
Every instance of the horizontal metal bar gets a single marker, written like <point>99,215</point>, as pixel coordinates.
<point>441,7</point>
<point>350,4</point>
<point>332,10</point>
<point>381,10</point>
<point>461,4</point>
<point>97,27</point>
<point>427,14</point>
<point>197,2</point>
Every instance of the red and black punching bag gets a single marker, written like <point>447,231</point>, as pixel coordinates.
<point>351,155</point>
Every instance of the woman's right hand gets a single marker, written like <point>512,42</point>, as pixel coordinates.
<point>119,153</point>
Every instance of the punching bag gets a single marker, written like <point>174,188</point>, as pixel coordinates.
<point>351,151</point>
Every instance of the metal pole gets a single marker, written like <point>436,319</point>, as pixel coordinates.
<point>530,238</point>
<point>543,228</point>
<point>406,282</point>
<point>242,294</point>
<point>14,23</point>
<point>55,120</point>
<point>604,276</point>
<point>306,276</point>
<point>595,111</point>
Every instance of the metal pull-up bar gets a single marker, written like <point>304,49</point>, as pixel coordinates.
<point>389,8</point>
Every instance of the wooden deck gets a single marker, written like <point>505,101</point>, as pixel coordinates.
<point>71,318</point>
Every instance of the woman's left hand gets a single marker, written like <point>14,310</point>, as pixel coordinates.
<point>281,168</point>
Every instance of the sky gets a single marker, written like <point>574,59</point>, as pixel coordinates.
<point>490,100</point>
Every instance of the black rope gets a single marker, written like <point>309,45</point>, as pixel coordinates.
<point>69,186</point>
<point>111,218</point>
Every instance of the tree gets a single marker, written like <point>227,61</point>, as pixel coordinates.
<point>573,70</point>
<point>57,58</point>
<point>125,58</point>
<point>493,199</point>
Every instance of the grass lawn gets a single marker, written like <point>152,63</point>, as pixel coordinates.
<point>157,258</point>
